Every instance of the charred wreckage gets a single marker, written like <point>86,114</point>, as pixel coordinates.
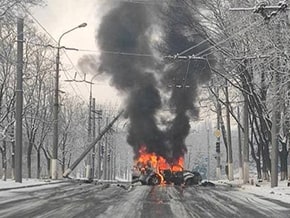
<point>152,169</point>
<point>152,177</point>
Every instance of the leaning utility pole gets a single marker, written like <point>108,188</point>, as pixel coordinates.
<point>90,146</point>
<point>19,102</point>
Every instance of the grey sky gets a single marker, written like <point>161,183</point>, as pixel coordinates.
<point>59,16</point>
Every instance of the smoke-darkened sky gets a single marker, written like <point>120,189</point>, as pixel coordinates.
<point>146,81</point>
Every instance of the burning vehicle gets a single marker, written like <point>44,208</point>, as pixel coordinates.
<point>151,169</point>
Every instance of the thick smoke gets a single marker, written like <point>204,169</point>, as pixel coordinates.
<point>127,28</point>
<point>184,76</point>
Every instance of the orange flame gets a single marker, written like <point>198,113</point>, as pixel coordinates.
<point>157,162</point>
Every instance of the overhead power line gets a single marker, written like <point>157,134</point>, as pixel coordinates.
<point>68,58</point>
<point>267,11</point>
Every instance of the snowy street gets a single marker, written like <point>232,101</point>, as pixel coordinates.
<point>76,199</point>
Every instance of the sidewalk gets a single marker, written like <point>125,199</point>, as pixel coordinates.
<point>27,183</point>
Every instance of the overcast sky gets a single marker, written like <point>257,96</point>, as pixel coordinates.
<point>57,17</point>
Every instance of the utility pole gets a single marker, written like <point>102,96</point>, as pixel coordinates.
<point>229,135</point>
<point>208,153</point>
<point>218,141</point>
<point>63,146</point>
<point>94,136</point>
<point>274,132</point>
<point>56,105</point>
<point>106,153</point>
<point>90,146</point>
<point>274,135</point>
<point>19,102</point>
<point>100,146</point>
<point>115,157</point>
<point>241,174</point>
<point>246,141</point>
<point>89,157</point>
<point>114,160</point>
<point>110,160</point>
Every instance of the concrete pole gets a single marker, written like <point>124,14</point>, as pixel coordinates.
<point>94,136</point>
<point>90,146</point>
<point>274,152</point>
<point>241,174</point>
<point>100,146</point>
<point>89,157</point>
<point>53,165</point>
<point>246,142</point>
<point>208,154</point>
<point>106,153</point>
<point>19,102</point>
<point>56,106</point>
<point>218,143</point>
<point>114,159</point>
<point>218,137</point>
<point>229,136</point>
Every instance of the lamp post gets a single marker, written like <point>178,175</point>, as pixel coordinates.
<point>56,106</point>
<point>90,166</point>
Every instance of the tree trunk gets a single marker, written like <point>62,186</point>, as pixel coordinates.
<point>38,164</point>
<point>47,160</point>
<point>4,161</point>
<point>13,160</point>
<point>48,166</point>
<point>63,157</point>
<point>224,134</point>
<point>29,152</point>
<point>288,165</point>
<point>266,162</point>
<point>283,160</point>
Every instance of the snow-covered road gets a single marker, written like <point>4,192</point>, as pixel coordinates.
<point>90,200</point>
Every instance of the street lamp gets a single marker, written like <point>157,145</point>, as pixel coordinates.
<point>56,106</point>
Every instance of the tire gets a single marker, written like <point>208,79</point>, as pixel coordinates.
<point>154,180</point>
<point>197,178</point>
<point>190,182</point>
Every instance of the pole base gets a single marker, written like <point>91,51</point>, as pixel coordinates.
<point>53,168</point>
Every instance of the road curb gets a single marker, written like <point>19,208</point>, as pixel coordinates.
<point>32,185</point>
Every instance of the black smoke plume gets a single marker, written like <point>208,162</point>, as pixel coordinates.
<point>145,80</point>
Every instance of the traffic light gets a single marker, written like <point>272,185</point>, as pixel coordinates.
<point>102,150</point>
<point>218,147</point>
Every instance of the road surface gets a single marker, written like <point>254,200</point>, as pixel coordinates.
<point>109,201</point>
